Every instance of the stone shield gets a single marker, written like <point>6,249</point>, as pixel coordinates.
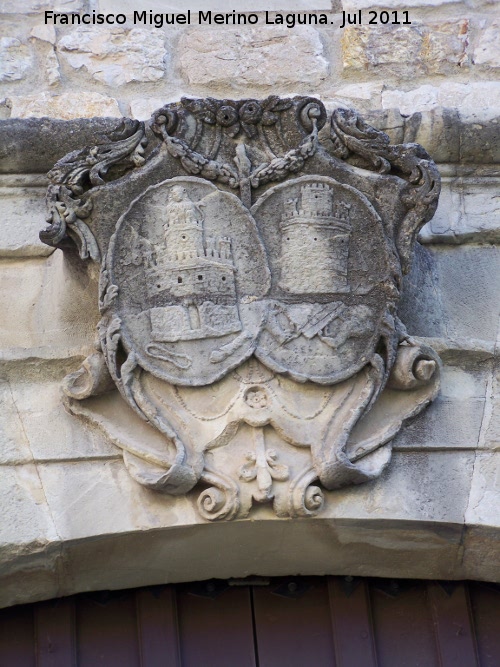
<point>192,276</point>
<point>250,271</point>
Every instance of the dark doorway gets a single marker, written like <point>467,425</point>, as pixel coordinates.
<point>292,622</point>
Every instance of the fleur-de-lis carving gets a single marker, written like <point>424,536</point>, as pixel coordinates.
<point>262,466</point>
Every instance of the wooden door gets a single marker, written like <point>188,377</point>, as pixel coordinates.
<point>297,622</point>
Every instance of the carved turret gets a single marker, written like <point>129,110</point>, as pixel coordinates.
<point>315,242</point>
<point>196,273</point>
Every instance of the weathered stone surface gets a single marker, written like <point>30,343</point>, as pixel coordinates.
<point>27,523</point>
<point>4,109</point>
<point>484,498</point>
<point>468,281</point>
<point>252,56</point>
<point>36,6</point>
<point>15,447</point>
<point>52,71</point>
<point>469,209</point>
<point>146,557</point>
<point>427,49</point>
<point>22,205</point>
<point>479,97</point>
<point>16,59</point>
<point>456,137</point>
<point>48,310</point>
<point>128,6</point>
<point>33,145</point>
<point>64,106</point>
<point>459,302</point>
<point>436,489</point>
<point>456,417</point>
<point>444,46</point>
<point>28,559</point>
<point>142,108</point>
<point>481,137</point>
<point>44,32</point>
<point>44,36</point>
<point>360,95</point>
<point>46,430</point>
<point>491,437</point>
<point>440,130</point>
<point>106,540</point>
<point>481,539</point>
<point>487,51</point>
<point>94,498</point>
<point>480,549</point>
<point>115,56</point>
<point>419,99</point>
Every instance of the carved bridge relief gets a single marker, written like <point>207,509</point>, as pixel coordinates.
<point>254,332</point>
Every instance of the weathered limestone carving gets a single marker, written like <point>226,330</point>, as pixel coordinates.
<point>66,211</point>
<point>249,282</point>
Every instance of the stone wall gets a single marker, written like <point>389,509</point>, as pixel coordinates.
<point>72,519</point>
<point>449,56</point>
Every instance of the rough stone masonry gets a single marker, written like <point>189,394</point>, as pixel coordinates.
<point>73,517</point>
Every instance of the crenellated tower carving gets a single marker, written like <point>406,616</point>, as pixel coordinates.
<point>192,285</point>
<point>315,233</point>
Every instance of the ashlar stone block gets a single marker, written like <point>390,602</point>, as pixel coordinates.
<point>66,106</point>
<point>15,447</point>
<point>460,301</point>
<point>40,424</point>
<point>116,56</point>
<point>22,202</point>
<point>487,51</point>
<point>457,416</point>
<point>252,56</point>
<point>484,498</point>
<point>27,524</point>
<point>16,59</point>
<point>406,50</point>
<point>95,498</point>
<point>480,98</point>
<point>47,317</point>
<point>468,210</point>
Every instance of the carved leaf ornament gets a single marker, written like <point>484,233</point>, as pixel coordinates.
<point>249,283</point>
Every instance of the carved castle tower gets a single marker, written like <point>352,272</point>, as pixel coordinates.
<point>184,237</point>
<point>191,285</point>
<point>315,234</point>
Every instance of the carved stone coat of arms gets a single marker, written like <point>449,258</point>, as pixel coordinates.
<point>250,257</point>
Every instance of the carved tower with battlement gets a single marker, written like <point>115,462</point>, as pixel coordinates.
<point>192,287</point>
<point>315,242</point>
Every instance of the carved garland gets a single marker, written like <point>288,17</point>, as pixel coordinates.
<point>231,117</point>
